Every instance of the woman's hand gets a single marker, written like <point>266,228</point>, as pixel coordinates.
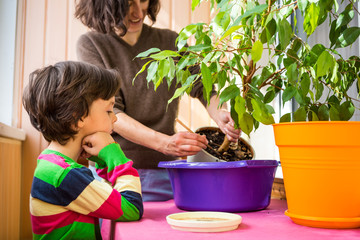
<point>226,124</point>
<point>223,119</point>
<point>93,143</point>
<point>184,144</point>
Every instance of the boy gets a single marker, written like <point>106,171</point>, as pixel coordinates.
<point>71,104</point>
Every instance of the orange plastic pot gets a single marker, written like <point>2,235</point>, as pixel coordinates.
<point>321,169</point>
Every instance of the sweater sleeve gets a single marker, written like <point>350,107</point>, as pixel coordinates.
<point>113,166</point>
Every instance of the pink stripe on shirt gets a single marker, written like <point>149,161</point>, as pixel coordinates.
<point>121,170</point>
<point>56,159</point>
<point>111,208</point>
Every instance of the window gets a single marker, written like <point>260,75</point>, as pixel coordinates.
<point>7,58</point>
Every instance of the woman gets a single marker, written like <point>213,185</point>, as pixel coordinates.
<point>146,123</point>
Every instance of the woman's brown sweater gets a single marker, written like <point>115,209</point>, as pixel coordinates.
<point>138,100</point>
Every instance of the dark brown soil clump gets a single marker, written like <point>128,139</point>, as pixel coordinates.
<point>236,152</point>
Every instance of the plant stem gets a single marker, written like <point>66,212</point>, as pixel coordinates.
<point>225,145</point>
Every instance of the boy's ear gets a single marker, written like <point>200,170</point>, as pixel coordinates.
<point>80,124</point>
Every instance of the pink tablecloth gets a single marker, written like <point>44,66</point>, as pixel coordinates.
<point>269,224</point>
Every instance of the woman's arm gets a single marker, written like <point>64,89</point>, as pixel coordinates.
<point>179,144</point>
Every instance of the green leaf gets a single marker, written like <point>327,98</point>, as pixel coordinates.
<point>286,118</point>
<point>285,33</point>
<point>199,47</point>
<point>324,64</point>
<point>260,113</point>
<point>206,80</point>
<point>348,37</point>
<point>334,114</point>
<point>221,77</point>
<point>146,53</point>
<point>141,70</point>
<point>268,32</point>
<point>269,96</point>
<point>256,51</point>
<point>229,93</point>
<point>305,84</point>
<point>183,62</point>
<point>246,123</point>
<point>300,114</point>
<point>323,113</point>
<point>221,22</point>
<point>314,54</point>
<point>184,35</point>
<point>311,18</point>
<point>230,31</point>
<point>299,98</point>
<point>172,68</point>
<point>178,92</point>
<point>334,76</point>
<point>256,10</point>
<point>163,68</point>
<point>302,5</point>
<point>194,4</point>
<point>239,105</point>
<point>181,76</point>
<point>288,93</point>
<point>314,116</point>
<point>345,17</point>
<point>347,110</point>
<point>152,71</point>
<point>164,54</point>
<point>269,109</point>
<point>208,57</point>
<point>292,73</point>
<point>319,91</point>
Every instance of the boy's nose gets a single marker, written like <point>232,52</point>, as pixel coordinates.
<point>114,118</point>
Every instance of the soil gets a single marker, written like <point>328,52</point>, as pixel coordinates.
<point>236,152</point>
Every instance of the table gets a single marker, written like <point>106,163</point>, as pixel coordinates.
<point>268,224</point>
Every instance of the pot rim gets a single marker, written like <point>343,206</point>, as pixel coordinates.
<point>316,122</point>
<point>218,165</point>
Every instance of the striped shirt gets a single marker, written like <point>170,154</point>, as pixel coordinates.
<point>66,201</point>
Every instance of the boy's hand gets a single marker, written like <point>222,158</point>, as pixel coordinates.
<point>93,143</point>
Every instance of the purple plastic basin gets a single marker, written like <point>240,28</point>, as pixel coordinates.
<point>221,186</point>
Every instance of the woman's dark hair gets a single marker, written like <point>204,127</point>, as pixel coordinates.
<point>106,15</point>
<point>58,96</point>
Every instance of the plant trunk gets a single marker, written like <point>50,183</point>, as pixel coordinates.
<point>225,145</point>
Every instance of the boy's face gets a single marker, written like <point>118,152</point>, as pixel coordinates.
<point>101,117</point>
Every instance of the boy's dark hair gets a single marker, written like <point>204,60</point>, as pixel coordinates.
<point>58,96</point>
<point>106,15</point>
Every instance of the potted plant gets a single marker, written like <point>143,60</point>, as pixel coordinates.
<point>252,53</point>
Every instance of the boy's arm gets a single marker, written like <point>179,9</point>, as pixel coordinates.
<point>113,166</point>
